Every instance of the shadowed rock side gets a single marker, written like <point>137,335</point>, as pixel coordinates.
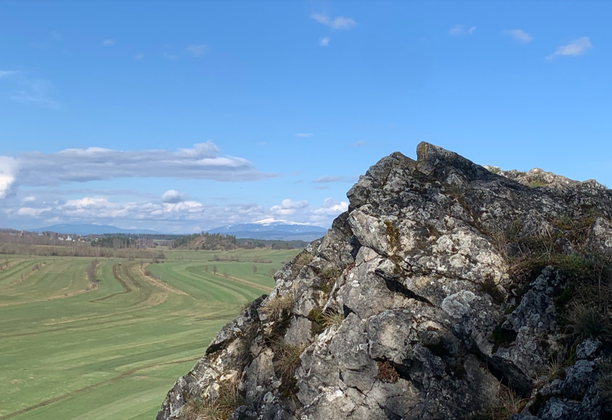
<point>447,291</point>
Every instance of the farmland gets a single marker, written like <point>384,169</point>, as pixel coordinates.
<point>75,348</point>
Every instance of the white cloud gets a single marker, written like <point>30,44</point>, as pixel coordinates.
<point>197,50</point>
<point>339,22</point>
<point>180,217</point>
<point>26,89</point>
<point>573,48</point>
<point>7,73</point>
<point>331,207</point>
<point>518,35</point>
<point>172,196</point>
<point>36,92</point>
<point>288,207</point>
<point>168,56</point>
<point>56,36</point>
<point>461,30</point>
<point>108,43</point>
<point>359,143</point>
<point>32,212</point>
<point>94,164</point>
<point>138,56</point>
<point>8,174</point>
<point>327,179</point>
<point>304,134</point>
<point>324,42</point>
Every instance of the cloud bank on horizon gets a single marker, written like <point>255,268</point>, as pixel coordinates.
<point>171,212</point>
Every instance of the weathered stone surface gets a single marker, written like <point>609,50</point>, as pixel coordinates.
<point>421,303</point>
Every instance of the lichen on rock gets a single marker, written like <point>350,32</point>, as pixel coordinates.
<point>448,290</point>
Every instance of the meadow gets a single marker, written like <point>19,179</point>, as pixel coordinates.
<point>74,349</point>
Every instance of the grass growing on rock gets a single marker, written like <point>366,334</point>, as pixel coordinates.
<point>279,306</point>
<point>328,277</point>
<point>302,260</point>
<point>604,383</point>
<point>320,321</point>
<point>563,245</point>
<point>589,322</point>
<point>228,400</point>
<point>508,404</point>
<point>332,318</point>
<point>286,362</point>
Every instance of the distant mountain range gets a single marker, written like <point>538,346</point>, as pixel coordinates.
<point>273,230</point>
<point>89,229</point>
<point>283,231</point>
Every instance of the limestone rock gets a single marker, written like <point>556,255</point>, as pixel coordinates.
<point>448,290</point>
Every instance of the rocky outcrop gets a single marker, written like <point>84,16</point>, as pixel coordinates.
<point>447,291</point>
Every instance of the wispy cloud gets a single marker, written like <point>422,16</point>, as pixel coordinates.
<point>36,92</point>
<point>29,90</point>
<point>138,56</point>
<point>573,48</point>
<point>203,161</point>
<point>108,43</point>
<point>324,42</point>
<point>461,30</point>
<point>169,56</point>
<point>339,22</point>
<point>56,36</point>
<point>518,35</point>
<point>359,143</point>
<point>304,134</point>
<point>7,73</point>
<point>327,179</point>
<point>197,50</point>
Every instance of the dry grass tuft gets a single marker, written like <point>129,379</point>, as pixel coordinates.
<point>229,399</point>
<point>554,369</point>
<point>508,404</point>
<point>589,322</point>
<point>604,383</point>
<point>286,362</point>
<point>278,306</point>
<point>301,260</point>
<point>332,318</point>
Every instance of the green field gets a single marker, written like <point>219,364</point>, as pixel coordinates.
<point>69,350</point>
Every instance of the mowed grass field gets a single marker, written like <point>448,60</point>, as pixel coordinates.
<point>71,351</point>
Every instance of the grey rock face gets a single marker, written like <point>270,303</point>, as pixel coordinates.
<point>421,302</point>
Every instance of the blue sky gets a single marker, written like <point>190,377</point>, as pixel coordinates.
<point>183,116</point>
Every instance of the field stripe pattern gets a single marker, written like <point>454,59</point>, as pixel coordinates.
<point>70,349</point>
